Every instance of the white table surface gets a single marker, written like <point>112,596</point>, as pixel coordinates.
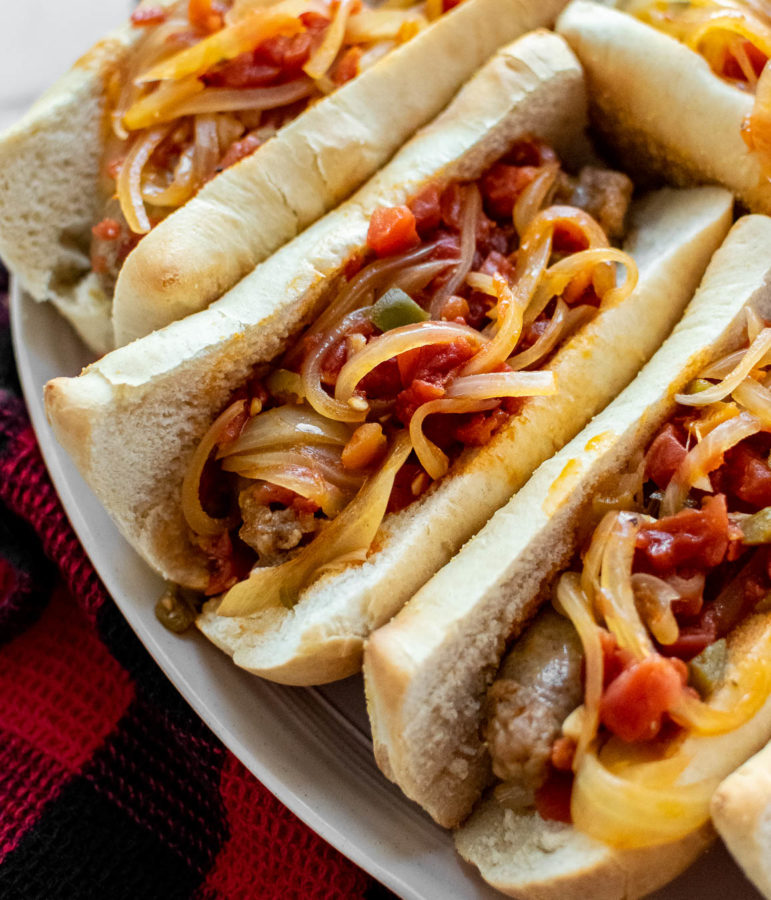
<point>40,39</point>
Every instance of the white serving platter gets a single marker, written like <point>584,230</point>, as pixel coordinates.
<point>309,747</point>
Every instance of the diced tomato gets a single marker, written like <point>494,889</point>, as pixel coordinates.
<point>222,563</point>
<point>501,187</point>
<point>450,204</point>
<point>479,305</point>
<point>426,208</point>
<point>562,753</point>
<point>418,393</point>
<point>691,641</point>
<point>748,476</point>
<point>696,538</point>
<point>392,230</point>
<point>481,427</point>
<point>148,15</point>
<point>401,493</point>
<point>455,309</point>
<point>569,237</point>
<point>347,68</point>
<point>288,52</point>
<point>731,67</point>
<point>243,71</point>
<point>235,425</point>
<point>315,22</point>
<point>614,659</point>
<point>635,703</point>
<point>205,15</point>
<point>266,493</point>
<point>99,263</point>
<point>240,150</point>
<point>552,799</point>
<point>530,152</point>
<point>107,230</point>
<point>664,456</point>
<point>691,591</point>
<point>383,382</point>
<point>496,262</point>
<point>449,4</point>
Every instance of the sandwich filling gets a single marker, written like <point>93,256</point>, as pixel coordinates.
<point>210,81</point>
<point>676,574</point>
<point>434,336</point>
<point>734,37</point>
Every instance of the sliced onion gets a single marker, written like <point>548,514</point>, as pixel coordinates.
<point>654,598</point>
<point>509,314</point>
<point>378,275</point>
<point>372,25</point>
<point>129,181</point>
<point>704,457</point>
<point>471,208</point>
<point>324,461</point>
<point>616,599</point>
<point>546,341</point>
<point>216,100</point>
<point>207,148</point>
<point>181,187</point>
<point>418,277</point>
<point>434,460</point>
<point>326,53</point>
<point>399,340</point>
<point>577,606</point>
<point>563,272</point>
<point>622,812</point>
<point>751,358</point>
<point>285,426</point>
<point>350,532</point>
<point>590,574</point>
<point>503,384</point>
<point>533,197</point>
<point>199,521</point>
<point>746,684</point>
<point>756,399</point>
<point>161,103</point>
<point>230,42</point>
<point>319,399</point>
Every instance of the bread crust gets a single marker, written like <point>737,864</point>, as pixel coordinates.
<point>427,671</point>
<point>741,812</point>
<point>50,164</point>
<point>660,106</point>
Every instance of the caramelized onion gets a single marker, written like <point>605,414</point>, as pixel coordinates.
<point>509,312</point>
<point>199,521</point>
<point>326,53</point>
<point>751,358</point>
<point>315,394</point>
<point>215,100</point>
<point>349,534</point>
<point>546,341</point>
<point>490,385</point>
<point>756,399</point>
<point>654,598</point>
<point>469,217</point>
<point>285,426</point>
<point>704,457</point>
<point>616,598</point>
<point>129,181</point>
<point>627,812</point>
<point>533,197</point>
<point>434,460</point>
<point>399,340</point>
<point>577,607</point>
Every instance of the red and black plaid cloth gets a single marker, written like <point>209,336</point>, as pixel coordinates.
<point>110,786</point>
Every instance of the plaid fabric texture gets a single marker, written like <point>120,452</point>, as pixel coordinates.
<point>110,786</point>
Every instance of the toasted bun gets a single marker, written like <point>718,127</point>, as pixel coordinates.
<point>524,856</point>
<point>50,194</point>
<point>741,812</point>
<point>133,420</point>
<point>661,107</point>
<point>427,671</point>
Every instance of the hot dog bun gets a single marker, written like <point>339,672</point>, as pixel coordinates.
<point>660,106</point>
<point>132,421</point>
<point>740,813</point>
<point>427,671</point>
<point>50,170</point>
